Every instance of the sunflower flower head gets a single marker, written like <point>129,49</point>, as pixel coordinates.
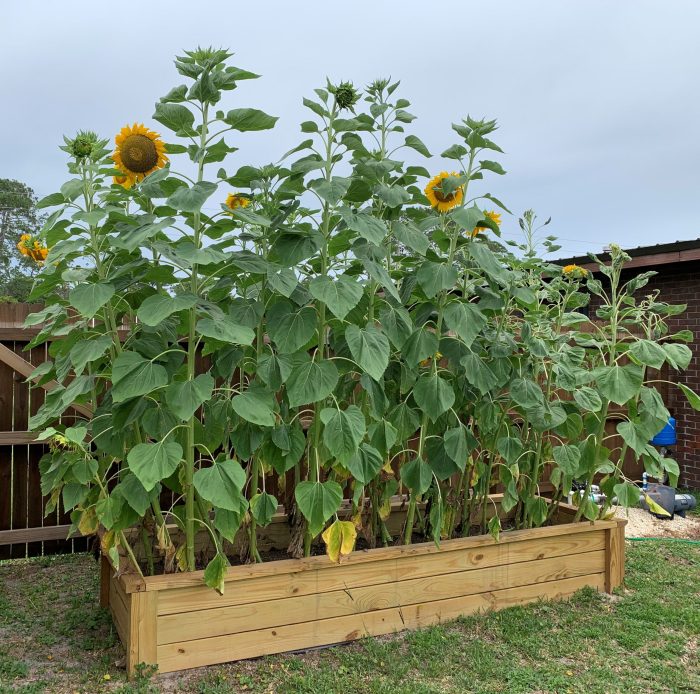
<point>574,272</point>
<point>139,152</point>
<point>346,96</point>
<point>494,216</point>
<point>235,201</point>
<point>124,181</point>
<point>441,201</point>
<point>31,247</point>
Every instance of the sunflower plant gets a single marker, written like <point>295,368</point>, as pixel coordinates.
<point>344,322</point>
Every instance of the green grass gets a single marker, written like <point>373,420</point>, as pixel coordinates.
<point>54,638</point>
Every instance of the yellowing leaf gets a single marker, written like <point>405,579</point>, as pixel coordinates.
<point>655,508</point>
<point>340,539</point>
<point>388,469</point>
<point>356,520</point>
<point>385,509</point>
<point>88,521</point>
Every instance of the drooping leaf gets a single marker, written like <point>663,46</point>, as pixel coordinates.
<point>343,431</point>
<point>90,298</point>
<point>153,462</point>
<point>619,383</point>
<point>291,327</point>
<point>184,398</point>
<point>340,294</point>
<point>369,348</point>
<point>434,395</point>
<point>311,382</point>
<point>134,375</point>
<point>340,539</point>
<point>215,573</point>
<point>225,330</point>
<point>318,501</point>
<point>263,507</point>
<point>416,475</point>
<point>255,406</point>
<point>221,484</point>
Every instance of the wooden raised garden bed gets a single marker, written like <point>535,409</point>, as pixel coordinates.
<point>176,622</point>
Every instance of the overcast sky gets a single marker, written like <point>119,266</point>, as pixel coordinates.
<point>598,102</point>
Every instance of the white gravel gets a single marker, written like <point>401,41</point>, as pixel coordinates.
<point>641,523</point>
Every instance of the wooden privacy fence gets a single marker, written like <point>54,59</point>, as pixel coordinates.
<point>24,531</point>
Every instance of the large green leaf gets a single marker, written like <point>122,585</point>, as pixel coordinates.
<point>225,330</point>
<point>247,119</point>
<point>692,397</point>
<point>221,484</point>
<point>396,324</point>
<point>365,463</point>
<point>465,319</point>
<point>340,294</point>
<point>648,353</point>
<point>417,476</point>
<point>153,462</point>
<point>191,199</point>
<point>176,117</point>
<point>255,406</point>
<point>368,227</point>
<point>619,383</point>
<point>678,356</point>
<point>434,395</point>
<point>318,501</point>
<point>184,398</point>
<point>478,373</point>
<point>436,277</point>
<point>421,344</point>
<point>291,327</point>
<point>263,507</point>
<point>86,351</point>
<point>331,191</point>
<point>134,375</point>
<point>158,307</point>
<point>567,458</point>
<point>588,398</point>
<point>369,348</point>
<point>411,236</point>
<point>343,431</point>
<point>526,393</point>
<point>90,298</point>
<point>311,382</point>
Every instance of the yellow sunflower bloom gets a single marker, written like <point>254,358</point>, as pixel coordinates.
<point>493,216</point>
<point>575,272</point>
<point>440,201</point>
<point>236,200</point>
<point>32,248</point>
<point>139,152</point>
<point>124,181</point>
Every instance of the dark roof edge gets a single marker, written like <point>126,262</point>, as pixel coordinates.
<point>673,249</point>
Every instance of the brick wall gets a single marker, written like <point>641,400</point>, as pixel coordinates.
<point>679,283</point>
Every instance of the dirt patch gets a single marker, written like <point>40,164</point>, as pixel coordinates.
<point>641,523</point>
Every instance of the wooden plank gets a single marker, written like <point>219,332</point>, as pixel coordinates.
<point>287,566</point>
<point>119,604</point>
<point>23,535</point>
<point>19,438</point>
<point>141,646</point>
<point>333,577</point>
<point>614,557</point>
<point>392,593</point>
<point>22,366</point>
<point>221,649</point>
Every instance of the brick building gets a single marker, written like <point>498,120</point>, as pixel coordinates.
<point>678,281</point>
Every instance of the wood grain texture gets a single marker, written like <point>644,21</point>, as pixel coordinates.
<point>287,566</point>
<point>207,651</point>
<point>350,600</point>
<point>332,577</point>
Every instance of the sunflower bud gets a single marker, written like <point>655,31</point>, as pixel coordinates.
<point>83,145</point>
<point>346,96</point>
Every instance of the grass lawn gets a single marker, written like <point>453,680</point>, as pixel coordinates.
<point>54,638</point>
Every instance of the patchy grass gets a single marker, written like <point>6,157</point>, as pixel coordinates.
<point>54,638</point>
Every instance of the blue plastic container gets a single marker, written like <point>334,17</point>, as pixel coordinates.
<point>667,436</point>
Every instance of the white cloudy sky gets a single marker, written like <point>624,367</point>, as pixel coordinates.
<point>598,101</point>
